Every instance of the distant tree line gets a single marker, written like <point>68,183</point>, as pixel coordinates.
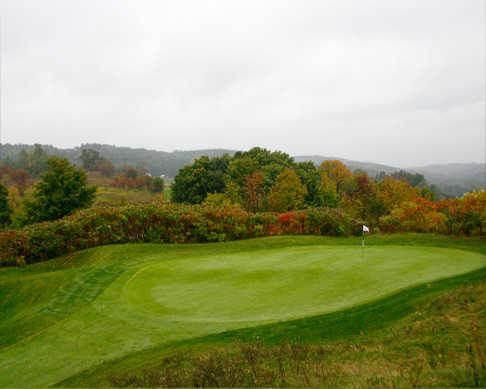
<point>39,187</point>
<point>453,182</point>
<point>154,162</point>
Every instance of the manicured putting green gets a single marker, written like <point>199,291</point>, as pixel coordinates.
<point>283,284</point>
<point>61,317</point>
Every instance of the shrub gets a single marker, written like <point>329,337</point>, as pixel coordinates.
<point>419,215</point>
<point>168,223</point>
<point>461,216</point>
<point>465,215</point>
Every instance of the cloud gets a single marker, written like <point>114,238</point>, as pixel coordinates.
<point>386,81</point>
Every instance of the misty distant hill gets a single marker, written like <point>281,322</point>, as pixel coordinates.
<point>452,179</point>
<point>369,167</point>
<point>155,162</point>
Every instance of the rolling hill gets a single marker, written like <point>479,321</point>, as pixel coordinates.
<point>451,179</point>
<point>154,161</point>
<point>454,178</point>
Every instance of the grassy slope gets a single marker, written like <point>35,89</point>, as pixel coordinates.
<point>427,336</point>
<point>76,317</point>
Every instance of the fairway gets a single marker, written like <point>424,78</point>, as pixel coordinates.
<point>64,316</point>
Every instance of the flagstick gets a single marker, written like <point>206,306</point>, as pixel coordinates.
<point>362,245</point>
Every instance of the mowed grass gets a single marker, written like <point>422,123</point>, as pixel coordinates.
<point>73,313</point>
<point>281,284</point>
<point>431,335</point>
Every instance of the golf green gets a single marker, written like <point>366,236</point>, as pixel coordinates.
<point>283,284</point>
<point>115,300</point>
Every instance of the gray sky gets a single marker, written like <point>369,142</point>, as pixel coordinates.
<point>396,82</point>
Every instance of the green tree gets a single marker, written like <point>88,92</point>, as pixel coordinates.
<point>5,211</point>
<point>61,191</point>
<point>288,193</point>
<point>194,182</point>
<point>309,175</point>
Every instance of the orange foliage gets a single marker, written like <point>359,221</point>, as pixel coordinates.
<point>337,172</point>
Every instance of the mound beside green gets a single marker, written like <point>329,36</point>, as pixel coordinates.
<point>67,315</point>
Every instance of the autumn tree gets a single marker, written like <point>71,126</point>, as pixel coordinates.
<point>465,215</point>
<point>361,199</point>
<point>288,193</point>
<point>393,192</point>
<point>418,215</point>
<point>269,163</point>
<point>337,172</point>
<point>254,192</point>
<point>335,176</point>
<point>5,171</point>
<point>20,179</point>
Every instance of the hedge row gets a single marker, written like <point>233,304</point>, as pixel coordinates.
<point>161,224</point>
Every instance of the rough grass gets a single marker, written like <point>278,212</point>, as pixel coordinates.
<point>88,308</point>
<point>113,197</point>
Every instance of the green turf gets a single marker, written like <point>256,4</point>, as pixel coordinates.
<point>67,315</point>
<point>371,320</point>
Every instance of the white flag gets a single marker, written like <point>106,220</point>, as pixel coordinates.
<point>365,229</point>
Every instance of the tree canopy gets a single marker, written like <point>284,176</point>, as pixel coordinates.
<point>264,180</point>
<point>194,182</point>
<point>288,193</point>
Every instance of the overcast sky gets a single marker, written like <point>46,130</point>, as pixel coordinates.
<point>397,82</point>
